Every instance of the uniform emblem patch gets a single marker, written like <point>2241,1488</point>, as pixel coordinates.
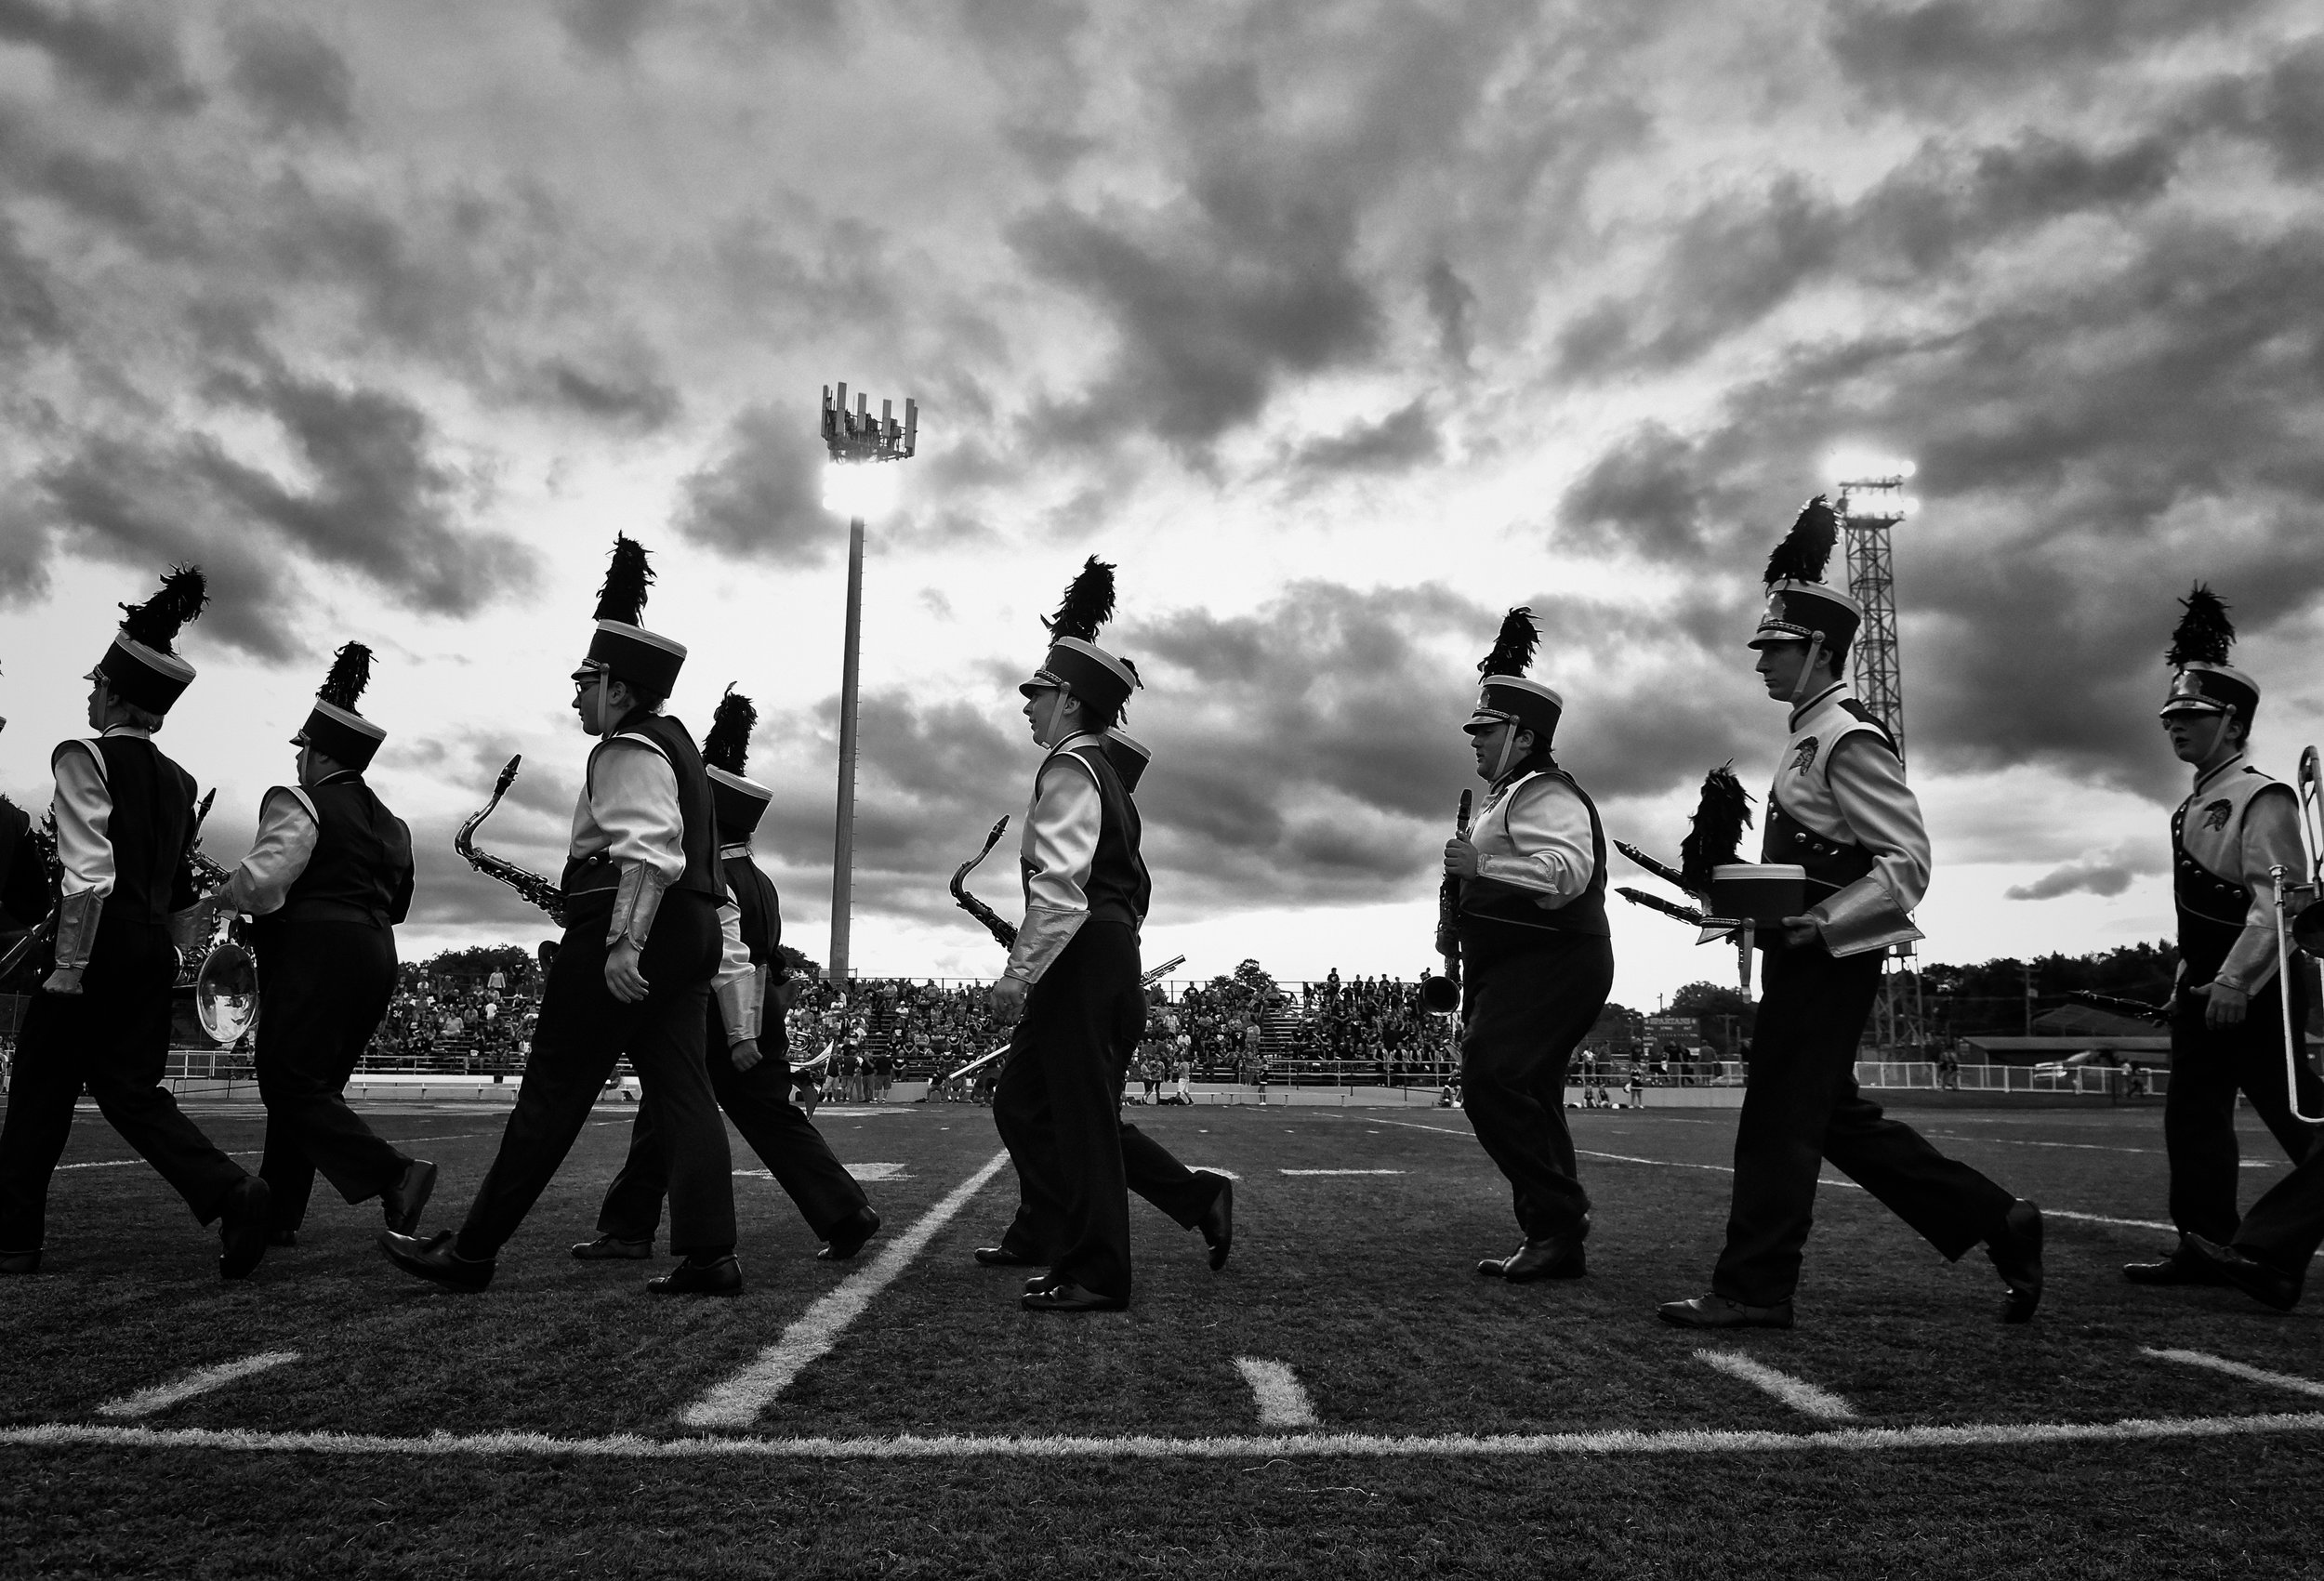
<point>1804,756</point>
<point>2216,813</point>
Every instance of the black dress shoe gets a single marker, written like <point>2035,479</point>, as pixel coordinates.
<point>1002,1257</point>
<point>1717,1312</point>
<point>609,1248</point>
<point>2015,1249</point>
<point>434,1260</point>
<point>2256,1279</point>
<point>1217,1220</point>
<point>1065,1295</point>
<point>282,1237</point>
<point>241,1232</point>
<point>1551,1257</point>
<point>848,1236</point>
<point>720,1276</point>
<point>21,1263</point>
<point>404,1201</point>
<point>2182,1267</point>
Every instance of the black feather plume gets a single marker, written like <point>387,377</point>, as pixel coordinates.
<point>622,596</point>
<point>1512,649</point>
<point>351,672</point>
<point>1716,840</point>
<point>2204,632</point>
<point>1087,605</point>
<point>155,622</point>
<point>1807,547</point>
<point>728,744</point>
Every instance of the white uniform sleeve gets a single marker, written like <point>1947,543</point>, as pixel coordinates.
<point>1867,781</point>
<point>84,807</point>
<point>287,831</point>
<point>633,800</point>
<point>1060,845</point>
<point>1549,826</point>
<point>2271,836</point>
<point>739,987</point>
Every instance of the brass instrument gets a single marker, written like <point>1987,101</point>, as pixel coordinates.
<point>550,897</point>
<point>1442,994</point>
<point>2299,926</point>
<point>994,923</point>
<point>226,983</point>
<point>2307,923</point>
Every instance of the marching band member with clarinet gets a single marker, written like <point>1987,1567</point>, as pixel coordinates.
<point>1841,809</point>
<point>1537,955</point>
<point>746,1045</point>
<point>2227,1008</point>
<point>632,976</point>
<point>125,832</point>
<point>326,881</point>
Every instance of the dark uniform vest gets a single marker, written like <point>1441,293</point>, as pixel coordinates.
<point>1118,888</point>
<point>701,837</point>
<point>151,829</point>
<point>1486,919</point>
<point>761,910</point>
<point>361,867</point>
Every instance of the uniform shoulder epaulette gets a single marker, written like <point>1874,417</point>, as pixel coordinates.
<point>1854,706</point>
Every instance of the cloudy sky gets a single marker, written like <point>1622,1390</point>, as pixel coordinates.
<point>1340,327</point>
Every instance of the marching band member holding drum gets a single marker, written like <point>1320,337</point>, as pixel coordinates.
<point>2228,1016</point>
<point>326,881</point>
<point>633,971</point>
<point>1536,955</point>
<point>1839,808</point>
<point>125,827</point>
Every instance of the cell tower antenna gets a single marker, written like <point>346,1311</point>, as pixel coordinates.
<point>1869,508</point>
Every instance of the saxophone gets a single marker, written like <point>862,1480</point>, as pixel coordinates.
<point>550,897</point>
<point>1001,929</point>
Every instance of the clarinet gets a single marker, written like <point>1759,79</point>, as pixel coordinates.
<point>1442,993</point>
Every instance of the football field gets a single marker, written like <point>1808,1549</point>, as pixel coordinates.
<point>1346,1398</point>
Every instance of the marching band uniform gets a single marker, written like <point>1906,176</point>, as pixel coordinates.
<point>642,868</point>
<point>125,829</point>
<point>326,881</point>
<point>1537,963</point>
<point>1841,809</point>
<point>757,1100</point>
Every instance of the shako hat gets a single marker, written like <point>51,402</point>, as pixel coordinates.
<point>141,666</point>
<point>1074,661</point>
<point>622,648</point>
<point>1128,756</point>
<point>1506,696</point>
<point>1800,606</point>
<point>333,727</point>
<point>2200,680</point>
<point>739,802</point>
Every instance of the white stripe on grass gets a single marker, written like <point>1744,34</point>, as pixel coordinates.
<point>2236,1369</point>
<point>1283,1401</point>
<point>145,1402</point>
<point>737,1401</point>
<point>1339,1171</point>
<point>1798,1393</point>
<point>66,1435</point>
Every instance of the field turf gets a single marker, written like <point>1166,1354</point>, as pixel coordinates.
<point>1556,1428</point>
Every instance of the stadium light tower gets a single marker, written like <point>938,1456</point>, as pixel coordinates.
<point>1872,582</point>
<point>855,483</point>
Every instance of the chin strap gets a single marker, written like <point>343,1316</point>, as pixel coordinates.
<point>637,899</point>
<point>1808,668</point>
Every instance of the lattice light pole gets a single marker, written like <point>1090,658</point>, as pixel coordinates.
<point>1872,582</point>
<point>857,440</point>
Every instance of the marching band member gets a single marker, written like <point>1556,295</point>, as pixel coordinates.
<point>124,826</point>
<point>747,1046</point>
<point>1840,807</point>
<point>2227,1019</point>
<point>326,881</point>
<point>1536,955</point>
<point>633,971</point>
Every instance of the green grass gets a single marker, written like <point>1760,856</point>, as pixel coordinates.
<point>1364,1284</point>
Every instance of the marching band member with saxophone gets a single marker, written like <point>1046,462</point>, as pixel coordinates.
<point>1536,955</point>
<point>747,1046</point>
<point>125,829</point>
<point>633,971</point>
<point>1841,809</point>
<point>2227,1013</point>
<point>326,881</point>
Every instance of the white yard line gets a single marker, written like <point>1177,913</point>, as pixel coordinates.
<point>1798,1393</point>
<point>1283,1401</point>
<point>1339,1171</point>
<point>2102,1219</point>
<point>2236,1369</point>
<point>1251,1446</point>
<point>145,1402</point>
<point>737,1401</point>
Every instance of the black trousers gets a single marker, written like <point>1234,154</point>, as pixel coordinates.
<point>1058,1108</point>
<point>324,987</point>
<point>1522,1015</point>
<point>582,1032</point>
<point>758,1101</point>
<point>1802,1107</point>
<point>2209,1066</point>
<point>114,1037</point>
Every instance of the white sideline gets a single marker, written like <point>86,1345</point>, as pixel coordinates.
<point>67,1435</point>
<point>1283,1401</point>
<point>2236,1369</point>
<point>1339,1171</point>
<point>145,1402</point>
<point>1798,1393</point>
<point>737,1401</point>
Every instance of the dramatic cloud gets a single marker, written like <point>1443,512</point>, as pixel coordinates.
<point>2105,873</point>
<point>763,495</point>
